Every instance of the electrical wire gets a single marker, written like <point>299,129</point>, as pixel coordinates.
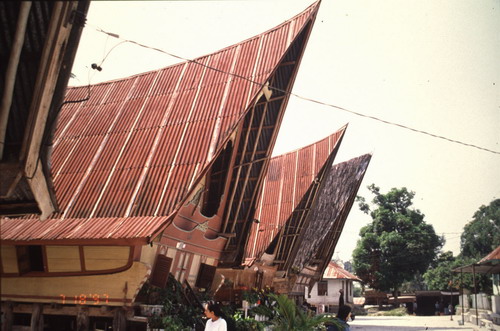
<point>114,35</point>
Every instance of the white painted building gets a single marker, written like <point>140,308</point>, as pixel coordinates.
<point>325,293</point>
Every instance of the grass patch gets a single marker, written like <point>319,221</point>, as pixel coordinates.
<point>390,312</point>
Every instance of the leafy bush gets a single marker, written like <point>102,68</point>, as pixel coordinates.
<point>247,323</point>
<point>289,317</point>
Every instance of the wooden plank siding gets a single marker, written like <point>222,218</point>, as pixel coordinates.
<point>63,258</point>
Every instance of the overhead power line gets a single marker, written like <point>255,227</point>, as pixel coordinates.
<point>114,35</point>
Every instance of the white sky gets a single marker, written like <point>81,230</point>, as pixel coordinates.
<point>431,65</point>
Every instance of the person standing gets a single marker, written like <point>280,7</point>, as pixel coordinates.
<point>343,316</point>
<point>437,308</point>
<point>341,298</point>
<point>215,321</point>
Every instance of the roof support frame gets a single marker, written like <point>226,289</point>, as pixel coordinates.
<point>10,75</point>
<point>253,153</point>
<point>50,64</point>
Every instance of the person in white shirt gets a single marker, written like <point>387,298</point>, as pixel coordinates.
<point>215,321</point>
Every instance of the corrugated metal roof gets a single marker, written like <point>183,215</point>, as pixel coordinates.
<point>97,230</point>
<point>334,271</point>
<point>288,179</point>
<point>135,148</point>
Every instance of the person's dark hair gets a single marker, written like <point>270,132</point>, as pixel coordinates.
<point>343,312</point>
<point>215,308</point>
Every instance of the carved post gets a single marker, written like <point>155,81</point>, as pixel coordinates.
<point>119,320</point>
<point>82,319</point>
<point>37,317</point>
<point>8,316</point>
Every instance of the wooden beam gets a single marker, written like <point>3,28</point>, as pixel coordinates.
<point>40,190</point>
<point>18,209</point>
<point>47,76</point>
<point>37,317</point>
<point>237,176</point>
<point>288,63</point>
<point>10,75</point>
<point>256,143</point>
<point>57,309</point>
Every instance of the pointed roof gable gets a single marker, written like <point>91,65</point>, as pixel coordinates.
<point>289,177</point>
<point>328,214</point>
<point>136,147</point>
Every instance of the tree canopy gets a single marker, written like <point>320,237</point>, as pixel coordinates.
<point>478,239</point>
<point>397,244</point>
<point>482,234</point>
<point>441,278</point>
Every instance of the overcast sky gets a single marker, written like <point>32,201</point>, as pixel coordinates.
<point>429,65</point>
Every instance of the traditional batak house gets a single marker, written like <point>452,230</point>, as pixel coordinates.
<point>301,214</point>
<point>156,173</point>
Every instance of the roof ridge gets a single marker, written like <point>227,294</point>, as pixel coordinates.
<point>313,8</point>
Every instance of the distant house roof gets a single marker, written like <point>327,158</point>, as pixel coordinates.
<point>334,271</point>
<point>490,264</point>
<point>434,293</point>
<point>493,256</point>
<point>132,152</point>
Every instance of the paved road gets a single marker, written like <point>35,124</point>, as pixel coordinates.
<point>411,323</point>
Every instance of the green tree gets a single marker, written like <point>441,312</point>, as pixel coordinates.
<point>482,234</point>
<point>439,276</point>
<point>397,244</point>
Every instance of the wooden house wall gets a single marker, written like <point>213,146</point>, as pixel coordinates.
<point>9,259</point>
<point>114,289</point>
<point>68,259</point>
<point>63,258</point>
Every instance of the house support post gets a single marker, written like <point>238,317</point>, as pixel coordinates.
<point>475,293</point>
<point>37,317</point>
<point>451,298</point>
<point>462,288</point>
<point>8,316</point>
<point>120,320</point>
<point>82,319</point>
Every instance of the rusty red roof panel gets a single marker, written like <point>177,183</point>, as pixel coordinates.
<point>289,177</point>
<point>74,229</point>
<point>494,255</point>
<point>134,149</point>
<point>334,271</point>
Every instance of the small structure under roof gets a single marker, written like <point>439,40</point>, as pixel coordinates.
<point>490,264</point>
<point>325,294</point>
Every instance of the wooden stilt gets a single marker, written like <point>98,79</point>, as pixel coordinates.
<point>8,316</point>
<point>82,319</point>
<point>120,320</point>
<point>37,317</point>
